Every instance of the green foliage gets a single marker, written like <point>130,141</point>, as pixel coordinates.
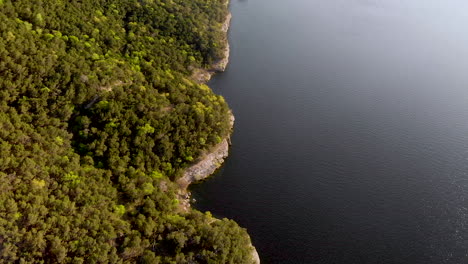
<point>147,129</point>
<point>39,20</point>
<point>119,209</point>
<point>157,175</point>
<point>97,116</point>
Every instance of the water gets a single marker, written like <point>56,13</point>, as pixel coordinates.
<point>351,137</point>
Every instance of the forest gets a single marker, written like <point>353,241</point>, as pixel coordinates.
<point>98,118</point>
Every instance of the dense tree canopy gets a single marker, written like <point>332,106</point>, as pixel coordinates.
<point>98,117</point>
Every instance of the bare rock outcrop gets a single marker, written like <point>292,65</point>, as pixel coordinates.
<point>255,256</point>
<point>207,164</point>
<point>204,75</point>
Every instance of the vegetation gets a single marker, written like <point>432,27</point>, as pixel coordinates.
<point>98,118</point>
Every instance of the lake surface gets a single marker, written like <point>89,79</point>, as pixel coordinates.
<point>351,134</point>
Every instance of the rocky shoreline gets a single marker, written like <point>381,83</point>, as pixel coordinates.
<point>209,162</point>
<point>204,75</point>
<point>214,158</point>
<point>206,165</point>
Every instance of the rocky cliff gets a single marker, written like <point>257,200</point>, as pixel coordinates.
<point>209,162</point>
<point>205,165</point>
<point>204,75</point>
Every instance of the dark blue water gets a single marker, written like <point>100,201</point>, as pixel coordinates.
<point>351,137</point>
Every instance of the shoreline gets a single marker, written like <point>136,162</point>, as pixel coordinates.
<point>214,157</point>
<point>202,75</point>
<point>205,166</point>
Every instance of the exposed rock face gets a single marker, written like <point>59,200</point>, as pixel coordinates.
<point>204,75</point>
<point>207,164</point>
<point>221,65</point>
<point>255,256</point>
